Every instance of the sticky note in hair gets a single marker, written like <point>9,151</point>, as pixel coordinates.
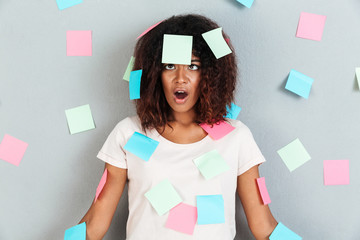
<point>134,84</point>
<point>182,218</point>
<point>218,130</point>
<point>12,149</point>
<point>77,232</point>
<point>294,155</point>
<point>141,146</point>
<point>246,3</point>
<point>217,43</point>
<point>129,68</point>
<point>149,29</point>
<point>357,71</point>
<point>211,164</point>
<point>62,4</point>
<point>79,119</point>
<point>101,184</point>
<point>263,190</point>
<point>299,84</point>
<point>177,49</point>
<point>281,232</point>
<point>311,26</point>
<point>336,172</point>
<point>233,112</point>
<point>210,209</point>
<point>78,43</point>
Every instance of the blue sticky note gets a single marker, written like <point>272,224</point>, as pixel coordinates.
<point>246,3</point>
<point>62,4</point>
<point>77,232</point>
<point>281,232</point>
<point>299,83</point>
<point>141,146</point>
<point>134,84</point>
<point>210,209</point>
<point>233,112</point>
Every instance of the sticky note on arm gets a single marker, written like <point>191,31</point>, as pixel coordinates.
<point>299,84</point>
<point>281,232</point>
<point>101,184</point>
<point>263,190</point>
<point>77,232</point>
<point>217,43</point>
<point>141,146</point>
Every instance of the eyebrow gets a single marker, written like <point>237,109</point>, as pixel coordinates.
<point>195,60</point>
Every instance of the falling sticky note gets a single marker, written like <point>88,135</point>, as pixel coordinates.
<point>134,84</point>
<point>141,146</point>
<point>163,197</point>
<point>294,155</point>
<point>233,112</point>
<point>217,43</point>
<point>211,164</point>
<point>101,184</point>
<point>263,190</point>
<point>77,232</point>
<point>210,209</point>
<point>62,4</point>
<point>182,218</point>
<point>311,26</point>
<point>357,70</point>
<point>149,29</point>
<point>218,130</point>
<point>336,172</point>
<point>79,119</point>
<point>281,232</point>
<point>246,3</point>
<point>78,43</point>
<point>177,49</point>
<point>129,68</point>
<point>12,149</point>
<point>299,83</point>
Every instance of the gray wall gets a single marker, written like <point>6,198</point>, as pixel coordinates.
<point>55,183</point>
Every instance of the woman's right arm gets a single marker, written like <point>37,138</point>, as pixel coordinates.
<point>99,216</point>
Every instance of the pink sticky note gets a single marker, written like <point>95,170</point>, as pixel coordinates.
<point>218,130</point>
<point>336,172</point>
<point>78,43</point>
<point>227,40</point>
<point>101,184</point>
<point>148,30</point>
<point>311,26</point>
<point>263,190</point>
<point>182,218</point>
<point>12,149</point>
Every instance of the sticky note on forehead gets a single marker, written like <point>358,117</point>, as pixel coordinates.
<point>217,43</point>
<point>177,49</point>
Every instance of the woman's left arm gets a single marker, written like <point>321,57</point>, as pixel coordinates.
<point>260,220</point>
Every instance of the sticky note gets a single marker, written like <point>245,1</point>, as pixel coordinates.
<point>294,155</point>
<point>299,83</point>
<point>101,184</point>
<point>129,68</point>
<point>12,149</point>
<point>62,4</point>
<point>357,70</point>
<point>182,218</point>
<point>78,43</point>
<point>210,209</point>
<point>79,119</point>
<point>311,26</point>
<point>217,43</point>
<point>141,146</point>
<point>233,112</point>
<point>77,232</point>
<point>211,164</point>
<point>149,29</point>
<point>163,197</point>
<point>177,49</point>
<point>246,3</point>
<point>263,190</point>
<point>218,130</point>
<point>336,172</point>
<point>134,84</point>
<point>281,232</point>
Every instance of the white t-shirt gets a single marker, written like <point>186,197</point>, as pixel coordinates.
<point>174,162</point>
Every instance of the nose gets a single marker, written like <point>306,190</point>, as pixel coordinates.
<point>181,74</point>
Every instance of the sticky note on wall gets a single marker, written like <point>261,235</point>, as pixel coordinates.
<point>336,172</point>
<point>217,43</point>
<point>281,232</point>
<point>129,68</point>
<point>263,190</point>
<point>211,164</point>
<point>299,83</point>
<point>357,71</point>
<point>294,155</point>
<point>77,232</point>
<point>62,4</point>
<point>141,146</point>
<point>182,218</point>
<point>177,49</point>
<point>311,26</point>
<point>210,209</point>
<point>78,43</point>
<point>246,3</point>
<point>12,149</point>
<point>135,84</point>
<point>79,119</point>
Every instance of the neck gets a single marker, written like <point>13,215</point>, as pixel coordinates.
<point>186,118</point>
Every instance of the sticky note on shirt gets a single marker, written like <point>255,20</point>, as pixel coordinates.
<point>163,197</point>
<point>182,218</point>
<point>101,184</point>
<point>218,130</point>
<point>129,68</point>
<point>77,232</point>
<point>336,172</point>
<point>62,4</point>
<point>299,83</point>
<point>78,43</point>
<point>357,71</point>
<point>281,232</point>
<point>217,43</point>
<point>263,190</point>
<point>294,155</point>
<point>12,149</point>
<point>210,209</point>
<point>246,3</point>
<point>177,49</point>
<point>311,26</point>
<point>79,119</point>
<point>233,112</point>
<point>134,84</point>
<point>211,164</point>
<point>141,146</point>
<point>149,29</point>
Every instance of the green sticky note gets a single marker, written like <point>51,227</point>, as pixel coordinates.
<point>79,119</point>
<point>129,69</point>
<point>217,43</point>
<point>294,155</point>
<point>358,75</point>
<point>211,164</point>
<point>177,49</point>
<point>163,197</point>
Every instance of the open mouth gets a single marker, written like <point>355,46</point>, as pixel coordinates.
<point>180,94</point>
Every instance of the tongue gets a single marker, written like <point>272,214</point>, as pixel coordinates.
<point>180,95</point>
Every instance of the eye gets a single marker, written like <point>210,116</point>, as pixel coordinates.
<point>194,67</point>
<point>169,66</point>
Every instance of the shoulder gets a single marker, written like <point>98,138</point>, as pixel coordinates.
<point>128,125</point>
